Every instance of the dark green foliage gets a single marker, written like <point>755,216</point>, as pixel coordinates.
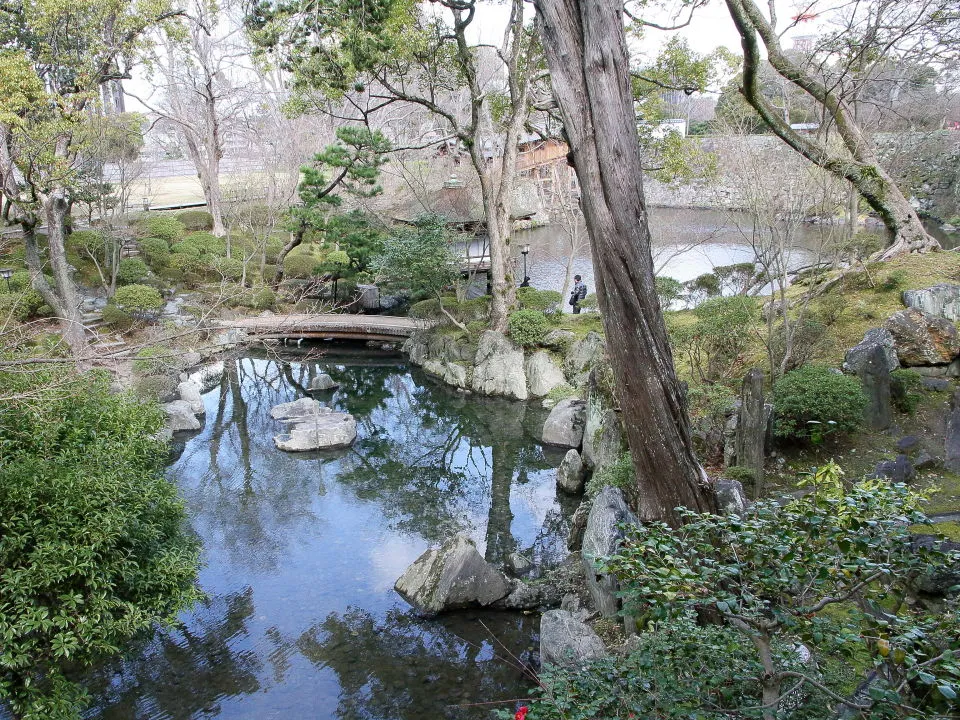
<point>669,290</point>
<point>205,243</point>
<point>528,327</point>
<point>138,298</point>
<point>906,390</point>
<point>530,298</point>
<point>117,318</point>
<point>188,249</point>
<point>745,476</point>
<point>226,268</point>
<point>194,220</point>
<point>185,262</point>
<point>300,265</point>
<point>162,226</point>
<point>358,236</point>
<point>93,545</point>
<point>21,301</point>
<point>813,401</point>
<point>352,164</point>
<point>832,570</point>
<point>131,271</point>
<point>156,251</point>
<point>676,672</point>
<point>421,259</point>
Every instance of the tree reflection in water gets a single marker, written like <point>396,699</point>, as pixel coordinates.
<point>315,541</point>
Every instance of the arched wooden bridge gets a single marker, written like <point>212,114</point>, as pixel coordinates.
<point>328,327</point>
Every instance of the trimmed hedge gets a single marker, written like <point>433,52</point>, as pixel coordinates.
<point>528,327</point>
<point>194,220</point>
<point>814,401</point>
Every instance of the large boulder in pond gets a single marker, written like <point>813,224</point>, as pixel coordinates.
<point>858,356</point>
<point>940,300</point>
<point>451,373</point>
<point>498,367</point>
<point>452,577</point>
<point>180,416</point>
<point>602,538</point>
<point>566,640</point>
<point>564,425</point>
<point>296,410</point>
<point>571,474</point>
<point>543,375</point>
<point>326,431</point>
<point>190,392</point>
<point>323,382</point>
<point>923,339</point>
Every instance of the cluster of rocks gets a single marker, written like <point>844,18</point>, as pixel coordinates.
<point>184,413</point>
<point>313,426</point>
<point>493,365</point>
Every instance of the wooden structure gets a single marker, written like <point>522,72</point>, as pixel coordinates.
<point>328,327</point>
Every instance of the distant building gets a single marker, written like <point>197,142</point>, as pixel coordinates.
<point>807,128</point>
<point>804,43</point>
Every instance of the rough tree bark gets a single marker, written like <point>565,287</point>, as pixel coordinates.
<point>862,167</point>
<point>587,55</point>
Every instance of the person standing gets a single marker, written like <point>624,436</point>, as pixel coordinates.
<point>578,293</point>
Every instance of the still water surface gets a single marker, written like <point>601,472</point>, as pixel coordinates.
<point>301,552</point>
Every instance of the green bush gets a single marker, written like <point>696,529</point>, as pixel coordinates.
<point>138,298</point>
<point>185,262</point>
<point>94,547</point>
<point>906,390</point>
<point>543,300</point>
<point>227,268</point>
<point>194,220</point>
<point>590,302</point>
<point>156,251</point>
<point>87,241</point>
<point>528,327</point>
<point>725,602</point>
<point>262,299</point>
<point>117,318</point>
<point>743,475</point>
<point>22,302</point>
<point>206,244</point>
<point>132,271</point>
<point>669,290</point>
<point>183,248</point>
<point>300,265</point>
<point>164,227</point>
<point>813,401</point>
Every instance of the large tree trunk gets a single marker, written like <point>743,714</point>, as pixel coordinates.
<point>862,167</point>
<point>587,55</point>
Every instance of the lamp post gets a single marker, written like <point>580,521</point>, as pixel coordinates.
<point>525,250</point>
<point>6,274</point>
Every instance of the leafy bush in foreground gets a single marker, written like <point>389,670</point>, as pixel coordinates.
<point>138,298</point>
<point>813,401</point>
<point>92,540</point>
<point>164,227</point>
<point>833,570</point>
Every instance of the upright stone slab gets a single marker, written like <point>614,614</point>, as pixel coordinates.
<point>602,538</point>
<point>752,428</point>
<point>564,426</point>
<point>566,640</point>
<point>875,377</point>
<point>941,300</point>
<point>952,460</point>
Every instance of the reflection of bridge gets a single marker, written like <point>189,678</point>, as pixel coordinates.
<point>328,326</point>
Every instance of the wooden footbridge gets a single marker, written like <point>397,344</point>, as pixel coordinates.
<point>328,327</point>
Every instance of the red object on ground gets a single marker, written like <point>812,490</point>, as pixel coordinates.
<point>521,714</point>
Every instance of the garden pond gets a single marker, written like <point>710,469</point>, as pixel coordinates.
<point>301,551</point>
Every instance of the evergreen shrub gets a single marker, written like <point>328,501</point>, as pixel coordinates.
<point>163,226</point>
<point>528,327</point>
<point>131,271</point>
<point>814,401</point>
<point>194,220</point>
